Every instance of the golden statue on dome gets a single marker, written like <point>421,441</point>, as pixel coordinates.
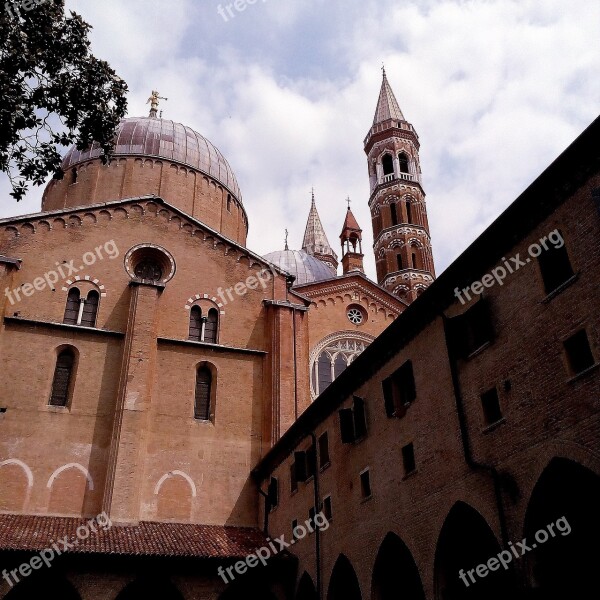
<point>154,100</point>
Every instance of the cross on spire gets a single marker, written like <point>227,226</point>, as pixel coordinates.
<point>348,201</point>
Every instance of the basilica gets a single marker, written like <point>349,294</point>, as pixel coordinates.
<point>171,401</point>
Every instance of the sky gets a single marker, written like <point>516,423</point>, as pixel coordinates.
<point>287,90</point>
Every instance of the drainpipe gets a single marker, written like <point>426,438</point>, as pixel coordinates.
<point>313,437</point>
<point>466,442</point>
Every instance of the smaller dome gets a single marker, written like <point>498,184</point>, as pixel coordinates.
<point>304,267</point>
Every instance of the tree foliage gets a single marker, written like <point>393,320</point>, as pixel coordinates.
<point>53,91</point>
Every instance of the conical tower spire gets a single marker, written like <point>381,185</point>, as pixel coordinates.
<point>315,240</point>
<point>387,105</point>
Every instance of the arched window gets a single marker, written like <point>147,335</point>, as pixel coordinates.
<point>394,212</point>
<point>62,378</point>
<point>403,160</point>
<point>90,309</point>
<point>212,326</point>
<point>204,385</point>
<point>388,164</point>
<point>408,212</point>
<point>196,324</point>
<point>399,260</point>
<point>413,257</point>
<point>72,308</point>
<point>73,175</point>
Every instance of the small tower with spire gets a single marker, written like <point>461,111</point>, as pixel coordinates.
<point>402,244</point>
<point>351,238</point>
<point>315,240</point>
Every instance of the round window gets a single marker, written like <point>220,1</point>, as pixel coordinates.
<point>355,316</point>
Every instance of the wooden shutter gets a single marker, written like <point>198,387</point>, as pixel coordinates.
<point>72,308</point>
<point>62,378</point>
<point>360,418</point>
<point>203,391</point>
<point>90,309</point>
<point>195,323</point>
<point>211,327</point>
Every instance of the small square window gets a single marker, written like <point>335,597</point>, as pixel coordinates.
<point>327,511</point>
<point>408,459</point>
<point>555,267</point>
<point>365,484</point>
<point>579,352</point>
<point>490,403</point>
<point>323,450</point>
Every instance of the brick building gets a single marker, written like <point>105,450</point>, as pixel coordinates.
<point>158,372</point>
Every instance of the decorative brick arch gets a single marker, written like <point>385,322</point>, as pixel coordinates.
<point>175,474</point>
<point>24,466</point>
<point>90,481</point>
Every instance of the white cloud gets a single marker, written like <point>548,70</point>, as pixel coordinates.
<point>287,90</point>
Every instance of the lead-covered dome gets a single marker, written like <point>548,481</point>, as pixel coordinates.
<point>304,267</point>
<point>161,138</point>
<point>155,157</point>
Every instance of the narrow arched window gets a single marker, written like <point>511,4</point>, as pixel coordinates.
<point>339,366</point>
<point>90,309</point>
<point>61,382</point>
<point>394,212</point>
<point>325,376</point>
<point>388,164</point>
<point>414,260</point>
<point>204,385</point>
<point>72,308</point>
<point>212,326</point>
<point>408,212</point>
<point>403,160</point>
<point>196,324</point>
<point>399,260</point>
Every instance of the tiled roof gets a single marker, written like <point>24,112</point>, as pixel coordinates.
<point>35,533</point>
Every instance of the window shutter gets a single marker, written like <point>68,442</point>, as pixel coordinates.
<point>388,396</point>
<point>347,425</point>
<point>300,466</point>
<point>62,378</point>
<point>360,418</point>
<point>203,391</point>
<point>211,327</point>
<point>273,493</point>
<point>72,307</point>
<point>90,309</point>
<point>195,323</point>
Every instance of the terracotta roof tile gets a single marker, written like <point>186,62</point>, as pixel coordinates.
<point>34,533</point>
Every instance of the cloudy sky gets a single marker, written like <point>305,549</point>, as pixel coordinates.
<point>287,89</point>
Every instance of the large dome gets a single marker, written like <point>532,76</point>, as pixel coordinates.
<point>161,138</point>
<point>304,267</point>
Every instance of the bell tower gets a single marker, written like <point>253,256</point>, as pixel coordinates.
<point>402,243</point>
<point>351,238</point>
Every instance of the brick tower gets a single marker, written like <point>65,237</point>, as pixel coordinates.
<point>402,243</point>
